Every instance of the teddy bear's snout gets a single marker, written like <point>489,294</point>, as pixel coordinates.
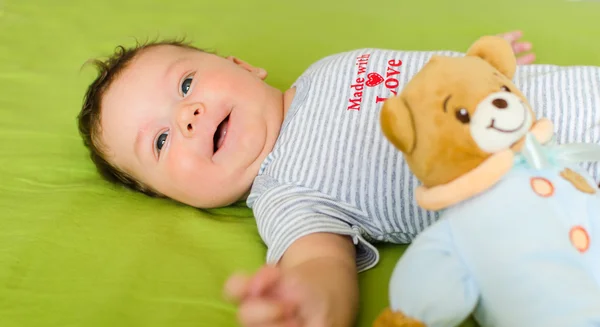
<point>500,103</point>
<point>499,120</point>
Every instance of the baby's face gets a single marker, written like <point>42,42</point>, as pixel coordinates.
<point>193,126</point>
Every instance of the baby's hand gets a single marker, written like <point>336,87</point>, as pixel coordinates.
<point>272,298</point>
<point>520,48</point>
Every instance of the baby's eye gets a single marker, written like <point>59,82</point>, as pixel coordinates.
<point>185,85</point>
<point>160,141</point>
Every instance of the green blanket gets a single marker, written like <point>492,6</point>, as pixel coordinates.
<point>76,252</point>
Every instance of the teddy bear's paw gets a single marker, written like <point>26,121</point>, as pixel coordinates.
<point>389,318</point>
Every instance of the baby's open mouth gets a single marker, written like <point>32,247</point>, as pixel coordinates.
<point>220,133</point>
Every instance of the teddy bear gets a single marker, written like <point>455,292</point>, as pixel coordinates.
<point>515,244</point>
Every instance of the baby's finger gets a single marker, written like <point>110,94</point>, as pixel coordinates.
<point>520,47</point>
<point>266,278</point>
<point>260,312</point>
<point>512,36</point>
<point>526,59</point>
<point>236,287</point>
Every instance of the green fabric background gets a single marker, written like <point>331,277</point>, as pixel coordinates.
<point>76,252</point>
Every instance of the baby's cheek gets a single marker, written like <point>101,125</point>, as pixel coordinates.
<point>216,93</point>
<point>178,167</point>
<point>184,177</point>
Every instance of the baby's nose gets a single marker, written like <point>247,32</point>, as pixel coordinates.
<point>500,103</point>
<point>188,119</point>
<point>190,125</point>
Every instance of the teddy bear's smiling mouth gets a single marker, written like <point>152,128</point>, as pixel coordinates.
<point>507,131</point>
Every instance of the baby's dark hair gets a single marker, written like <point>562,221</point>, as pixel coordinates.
<point>89,117</point>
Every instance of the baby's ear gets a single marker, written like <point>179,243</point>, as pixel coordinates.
<point>397,124</point>
<point>497,52</point>
<point>259,72</point>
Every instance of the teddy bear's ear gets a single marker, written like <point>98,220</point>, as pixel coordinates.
<point>397,124</point>
<point>496,51</point>
<point>435,58</point>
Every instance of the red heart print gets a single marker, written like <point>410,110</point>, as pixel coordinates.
<point>374,79</point>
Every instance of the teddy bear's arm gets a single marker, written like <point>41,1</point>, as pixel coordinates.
<point>431,283</point>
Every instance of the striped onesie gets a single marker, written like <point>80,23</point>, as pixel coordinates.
<point>332,170</point>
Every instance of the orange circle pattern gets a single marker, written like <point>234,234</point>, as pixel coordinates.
<point>580,238</point>
<point>542,186</point>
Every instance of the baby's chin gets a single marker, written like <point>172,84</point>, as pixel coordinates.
<point>214,196</point>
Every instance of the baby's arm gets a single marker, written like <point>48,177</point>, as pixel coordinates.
<point>314,284</point>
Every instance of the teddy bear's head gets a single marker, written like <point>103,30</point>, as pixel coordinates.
<point>458,111</point>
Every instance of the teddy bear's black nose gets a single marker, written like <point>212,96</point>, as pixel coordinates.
<point>500,103</point>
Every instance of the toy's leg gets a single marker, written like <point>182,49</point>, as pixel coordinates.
<point>389,318</point>
<point>431,283</point>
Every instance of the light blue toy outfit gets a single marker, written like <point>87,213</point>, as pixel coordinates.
<point>524,253</point>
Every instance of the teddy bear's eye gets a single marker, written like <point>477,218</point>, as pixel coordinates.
<point>505,88</point>
<point>463,116</point>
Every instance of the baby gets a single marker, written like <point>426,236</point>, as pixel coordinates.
<point>170,120</point>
